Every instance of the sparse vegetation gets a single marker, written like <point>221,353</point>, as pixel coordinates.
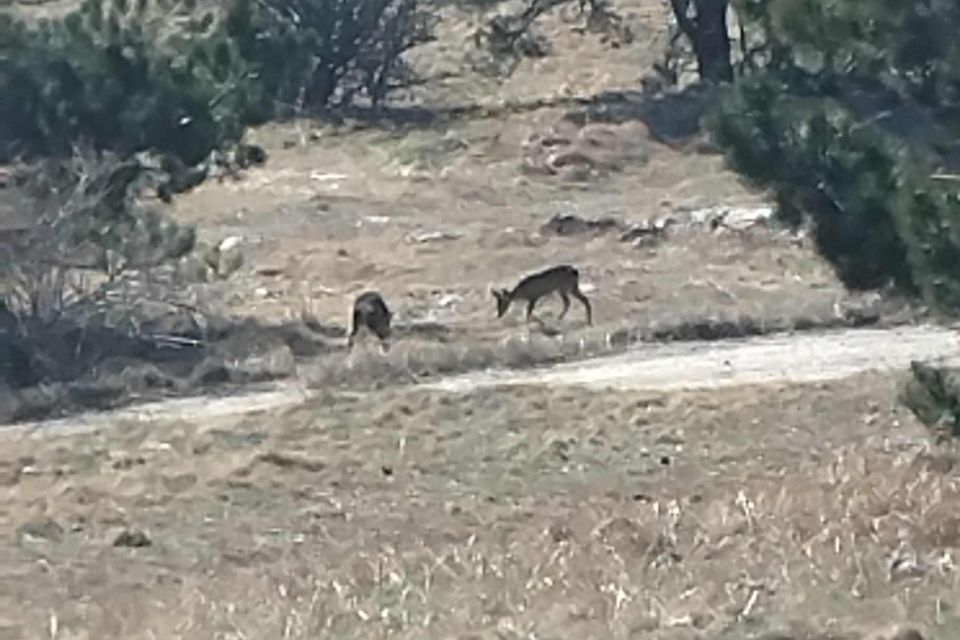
<point>508,38</point>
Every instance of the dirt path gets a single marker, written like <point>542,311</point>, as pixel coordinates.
<point>800,357</point>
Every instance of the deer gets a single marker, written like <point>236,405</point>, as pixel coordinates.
<point>563,279</point>
<point>372,313</point>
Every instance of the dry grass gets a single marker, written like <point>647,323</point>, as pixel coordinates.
<point>505,513</point>
<point>521,513</point>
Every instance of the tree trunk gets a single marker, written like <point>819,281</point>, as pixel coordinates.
<point>708,33</point>
<point>712,43</point>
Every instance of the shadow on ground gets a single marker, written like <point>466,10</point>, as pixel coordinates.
<point>57,368</point>
<point>672,118</point>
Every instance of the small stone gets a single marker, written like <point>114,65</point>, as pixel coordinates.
<point>45,529</point>
<point>270,271</point>
<point>132,538</point>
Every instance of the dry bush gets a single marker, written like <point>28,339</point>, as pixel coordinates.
<point>86,214</point>
<point>86,226</point>
<point>94,310</point>
<point>507,38</point>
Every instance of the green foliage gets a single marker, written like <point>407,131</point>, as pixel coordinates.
<point>86,205</point>
<point>98,75</point>
<point>933,395</point>
<point>911,46</point>
<point>845,120</point>
<point>129,75</point>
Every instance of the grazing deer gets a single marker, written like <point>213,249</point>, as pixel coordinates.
<point>371,312</point>
<point>563,279</point>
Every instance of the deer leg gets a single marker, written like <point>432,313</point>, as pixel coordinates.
<point>353,331</point>
<point>566,304</point>
<point>576,293</point>
<point>384,335</point>
<point>530,305</point>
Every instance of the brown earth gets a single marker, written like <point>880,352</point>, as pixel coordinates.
<point>810,510</point>
<point>522,511</point>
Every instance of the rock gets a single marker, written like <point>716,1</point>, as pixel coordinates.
<point>132,538</point>
<point>548,139</point>
<point>570,225</point>
<point>568,158</point>
<point>230,243</point>
<point>249,155</point>
<point>270,271</point>
<point>227,257</point>
<point>43,529</point>
<point>733,218</point>
<point>421,237</point>
<point>648,232</point>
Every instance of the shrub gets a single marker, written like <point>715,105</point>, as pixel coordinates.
<point>129,75</point>
<point>85,215</point>
<point>99,75</point>
<point>839,121</point>
<point>303,52</point>
<point>933,395</point>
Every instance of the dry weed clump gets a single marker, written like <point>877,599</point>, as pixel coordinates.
<point>94,309</point>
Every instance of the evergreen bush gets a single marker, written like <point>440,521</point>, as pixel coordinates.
<point>849,114</point>
<point>129,75</point>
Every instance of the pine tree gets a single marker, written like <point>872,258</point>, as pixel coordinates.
<point>851,115</point>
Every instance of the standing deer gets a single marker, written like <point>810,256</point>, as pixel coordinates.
<point>563,279</point>
<point>372,313</point>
